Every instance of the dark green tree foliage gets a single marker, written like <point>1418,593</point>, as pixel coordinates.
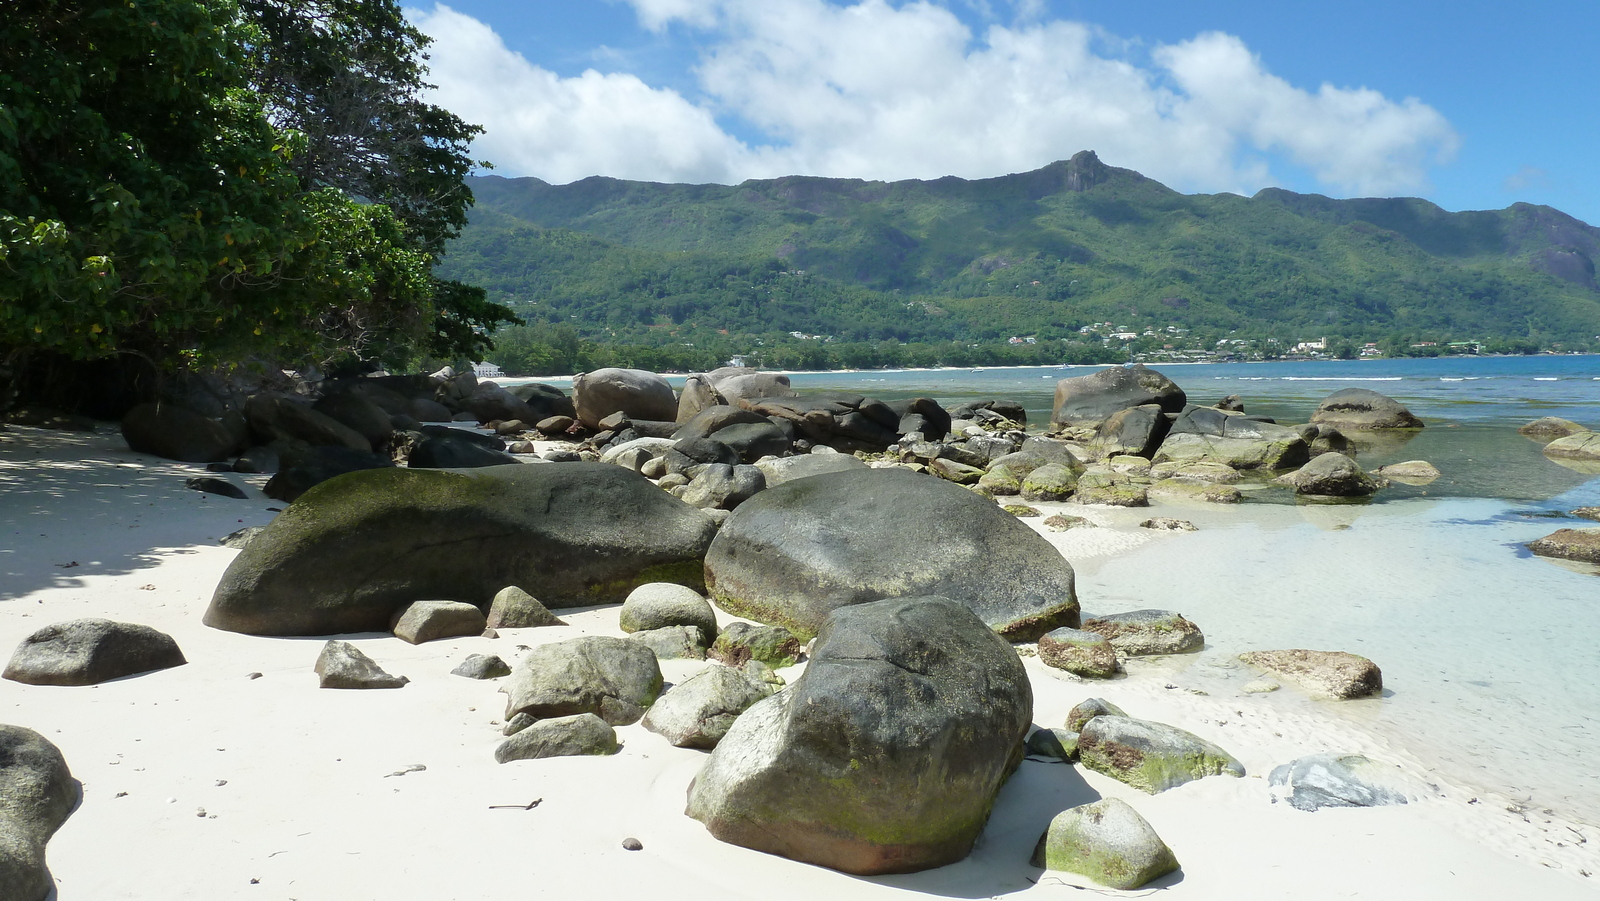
<point>149,206</point>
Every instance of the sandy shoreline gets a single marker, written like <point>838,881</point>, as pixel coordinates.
<point>298,788</point>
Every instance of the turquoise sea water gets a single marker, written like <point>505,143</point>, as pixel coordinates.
<point>1491,656</point>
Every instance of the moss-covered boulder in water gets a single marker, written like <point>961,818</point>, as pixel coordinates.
<point>352,551</point>
<point>885,756</point>
<point>1151,757</point>
<point>1106,841</point>
<point>794,553</point>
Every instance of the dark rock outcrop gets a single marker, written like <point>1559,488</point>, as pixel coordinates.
<point>174,433</point>
<point>1355,409</point>
<point>1091,398</point>
<point>634,392</point>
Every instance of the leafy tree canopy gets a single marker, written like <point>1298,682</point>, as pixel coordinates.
<point>162,191</point>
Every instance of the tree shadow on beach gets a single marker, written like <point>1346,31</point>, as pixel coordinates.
<point>999,863</point>
<point>81,504</point>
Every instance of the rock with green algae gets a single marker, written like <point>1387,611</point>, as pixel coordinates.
<point>1182,489</point>
<point>1150,756</point>
<point>1053,744</point>
<point>1583,446</point>
<point>740,643</point>
<point>1107,841</point>
<point>355,549</point>
<point>1061,522</point>
<point>1001,481</point>
<point>1086,654</point>
<point>886,755</point>
<point>1088,709</point>
<point>1146,633</point>
<point>1051,482</point>
<point>1022,510</point>
<point>1110,489</point>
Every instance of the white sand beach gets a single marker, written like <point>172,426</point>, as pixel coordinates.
<point>208,781</point>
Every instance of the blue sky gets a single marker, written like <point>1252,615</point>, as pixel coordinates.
<point>1470,104</point>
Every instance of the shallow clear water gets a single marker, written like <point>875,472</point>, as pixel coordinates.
<point>1491,656</point>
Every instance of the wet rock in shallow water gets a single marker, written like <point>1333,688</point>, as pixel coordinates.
<point>1359,408</point>
<point>1331,475</point>
<point>659,604</point>
<point>513,608</point>
<point>1187,490</point>
<point>1078,652</point>
<point>1583,447</point>
<point>1331,674</point>
<point>482,666</point>
<point>886,755</point>
<point>37,794</point>
<point>1587,512</point>
<point>775,646</point>
<point>1142,633</point>
<point>1551,427</point>
<point>342,665</point>
<point>1107,841</point>
<point>1055,744</point>
<point>1087,710</point>
<point>1409,472</point>
<point>699,711</point>
<point>673,642</point>
<point>91,651</point>
<point>1198,471</point>
<point>778,558</point>
<point>1136,431</point>
<point>612,677</point>
<point>1061,522</point>
<point>425,621</point>
<point>579,735</point>
<point>1150,756</point>
<point>1333,780</point>
<point>1165,524</point>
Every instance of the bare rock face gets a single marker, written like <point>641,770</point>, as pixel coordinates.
<point>1092,398</point>
<point>885,756</point>
<point>1339,675</point>
<point>780,559</point>
<point>37,794</point>
<point>634,392</point>
<point>91,651</point>
<point>699,711</point>
<point>343,665</point>
<point>578,735</point>
<point>1355,409</point>
<point>613,678</point>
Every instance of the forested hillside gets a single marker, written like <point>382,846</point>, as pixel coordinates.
<point>1041,255</point>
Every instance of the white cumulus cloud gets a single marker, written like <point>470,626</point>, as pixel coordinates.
<point>876,89</point>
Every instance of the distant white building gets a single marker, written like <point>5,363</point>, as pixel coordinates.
<point>487,371</point>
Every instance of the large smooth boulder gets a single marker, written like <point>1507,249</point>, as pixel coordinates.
<point>613,678</point>
<point>1331,475</point>
<point>718,485</point>
<point>1335,780</point>
<point>700,710</point>
<point>782,556</point>
<point>714,418</point>
<point>1583,447</point>
<point>1356,409</point>
<point>91,651</point>
<point>353,550</point>
<point>661,604</point>
<point>275,418</point>
<point>634,392</point>
<point>306,469</point>
<point>37,794</point>
<point>885,756</point>
<point>1107,841</point>
<point>1149,756</point>
<point>353,409</point>
<point>174,433</point>
<point>1093,397</point>
<point>736,383</point>
<point>1550,427</point>
<point>1339,675</point>
<point>453,449</point>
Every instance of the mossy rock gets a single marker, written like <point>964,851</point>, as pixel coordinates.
<point>1001,480</point>
<point>1051,482</point>
<point>355,549</point>
<point>1149,756</point>
<point>1022,510</point>
<point>774,646</point>
<point>1107,841</point>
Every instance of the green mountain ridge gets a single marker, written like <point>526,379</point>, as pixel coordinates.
<point>1038,254</point>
